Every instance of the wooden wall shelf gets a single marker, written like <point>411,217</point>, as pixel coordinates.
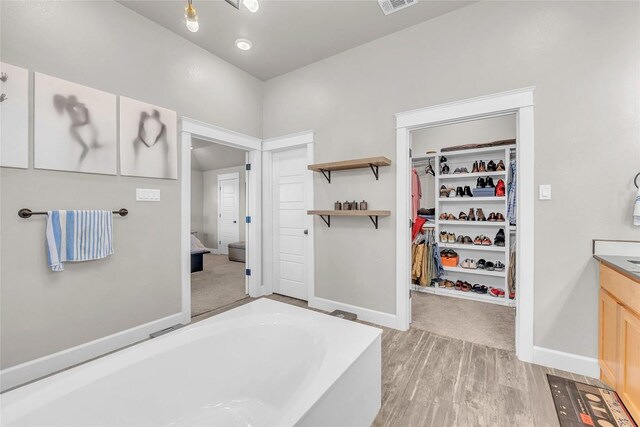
<point>327,214</point>
<point>369,162</point>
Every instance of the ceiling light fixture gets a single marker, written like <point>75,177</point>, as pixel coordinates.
<point>243,44</point>
<point>252,5</point>
<point>191,17</point>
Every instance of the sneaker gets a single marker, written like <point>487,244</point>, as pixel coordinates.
<point>444,237</point>
<point>452,238</point>
<point>499,266</point>
<point>495,292</point>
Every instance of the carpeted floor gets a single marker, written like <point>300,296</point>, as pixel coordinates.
<point>472,321</point>
<point>221,283</point>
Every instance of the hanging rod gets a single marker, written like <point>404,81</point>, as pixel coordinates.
<point>27,213</point>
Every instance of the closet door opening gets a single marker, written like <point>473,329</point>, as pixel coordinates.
<point>463,252</point>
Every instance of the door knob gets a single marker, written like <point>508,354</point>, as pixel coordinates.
<point>235,222</point>
<point>306,232</point>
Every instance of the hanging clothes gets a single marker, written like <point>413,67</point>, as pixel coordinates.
<point>512,269</point>
<point>425,262</point>
<point>416,193</point>
<point>511,194</point>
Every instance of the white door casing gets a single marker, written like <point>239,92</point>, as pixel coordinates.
<point>289,215</point>
<point>228,211</point>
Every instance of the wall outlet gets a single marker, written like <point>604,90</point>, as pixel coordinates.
<point>147,195</point>
<point>545,192</point>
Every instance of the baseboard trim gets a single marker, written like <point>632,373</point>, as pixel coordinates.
<point>365,314</point>
<point>574,363</point>
<point>38,368</point>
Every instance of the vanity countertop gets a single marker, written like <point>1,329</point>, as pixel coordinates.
<point>627,265</point>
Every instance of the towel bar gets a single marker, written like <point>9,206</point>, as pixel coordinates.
<point>26,213</point>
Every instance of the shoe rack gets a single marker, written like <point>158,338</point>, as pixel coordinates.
<point>455,205</point>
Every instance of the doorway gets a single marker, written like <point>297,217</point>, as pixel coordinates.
<point>520,103</point>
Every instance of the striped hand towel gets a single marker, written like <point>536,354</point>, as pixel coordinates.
<point>78,236</point>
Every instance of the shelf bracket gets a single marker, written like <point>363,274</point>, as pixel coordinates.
<point>327,220</point>
<point>374,221</point>
<point>327,174</point>
<point>374,169</point>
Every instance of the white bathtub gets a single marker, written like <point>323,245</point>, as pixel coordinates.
<point>262,364</point>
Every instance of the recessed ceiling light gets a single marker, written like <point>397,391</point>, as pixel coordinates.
<point>251,5</point>
<point>243,44</point>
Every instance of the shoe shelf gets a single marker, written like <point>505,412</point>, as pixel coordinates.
<point>452,176</point>
<point>327,214</point>
<point>478,223</point>
<point>370,162</point>
<point>470,199</point>
<point>478,271</point>
<point>491,248</point>
<point>498,279</point>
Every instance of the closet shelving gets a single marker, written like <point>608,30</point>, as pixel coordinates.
<point>454,205</point>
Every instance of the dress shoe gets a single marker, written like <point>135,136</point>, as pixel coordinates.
<point>462,216</point>
<point>444,192</point>
<point>489,182</point>
<point>471,216</point>
<point>500,166</point>
<point>480,215</point>
<point>491,166</point>
<point>492,217</point>
<point>482,167</point>
<point>444,169</point>
<point>499,217</point>
<point>481,183</point>
<point>500,188</point>
<point>459,192</point>
<point>475,167</point>
<point>467,191</point>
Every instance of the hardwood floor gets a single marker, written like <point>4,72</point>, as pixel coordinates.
<point>430,380</point>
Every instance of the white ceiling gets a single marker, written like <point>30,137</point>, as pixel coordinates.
<point>207,156</point>
<point>286,35</point>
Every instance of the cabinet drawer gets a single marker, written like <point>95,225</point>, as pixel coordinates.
<point>625,290</point>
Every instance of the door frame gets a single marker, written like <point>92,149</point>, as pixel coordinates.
<point>518,102</point>
<point>253,146</point>
<point>269,146</point>
<point>226,177</point>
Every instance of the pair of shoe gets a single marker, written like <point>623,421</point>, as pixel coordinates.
<point>496,217</point>
<point>448,253</point>
<point>463,192</point>
<point>446,284</point>
<point>461,170</point>
<point>478,166</point>
<point>485,182</point>
<point>447,237</point>
<point>447,217</point>
<point>500,238</point>
<point>449,191</point>
<point>469,263</point>
<point>479,289</point>
<point>482,240</point>
<point>462,286</point>
<point>464,240</point>
<point>496,292</point>
<point>473,214</point>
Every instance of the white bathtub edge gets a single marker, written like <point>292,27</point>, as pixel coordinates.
<point>34,369</point>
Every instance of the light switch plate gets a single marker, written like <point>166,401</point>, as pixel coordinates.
<point>147,195</point>
<point>545,192</point>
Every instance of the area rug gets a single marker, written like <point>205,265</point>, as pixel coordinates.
<point>578,405</point>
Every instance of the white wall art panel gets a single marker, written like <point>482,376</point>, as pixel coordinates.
<point>14,116</point>
<point>74,127</point>
<point>148,140</point>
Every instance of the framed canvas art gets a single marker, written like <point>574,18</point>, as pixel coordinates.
<point>14,116</point>
<point>148,140</point>
<point>74,127</point>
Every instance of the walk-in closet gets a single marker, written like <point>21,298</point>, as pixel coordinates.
<point>463,203</point>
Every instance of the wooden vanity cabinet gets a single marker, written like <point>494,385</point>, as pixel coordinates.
<point>619,336</point>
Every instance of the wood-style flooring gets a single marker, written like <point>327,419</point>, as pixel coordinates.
<point>431,380</point>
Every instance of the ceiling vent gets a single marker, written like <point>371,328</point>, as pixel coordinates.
<point>391,6</point>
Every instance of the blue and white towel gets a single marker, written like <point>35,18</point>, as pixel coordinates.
<point>78,236</point>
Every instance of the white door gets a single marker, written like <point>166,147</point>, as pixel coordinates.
<point>289,217</point>
<point>228,211</point>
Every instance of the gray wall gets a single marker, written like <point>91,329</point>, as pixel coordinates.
<point>210,204</point>
<point>584,60</point>
<point>106,46</point>
<point>196,202</point>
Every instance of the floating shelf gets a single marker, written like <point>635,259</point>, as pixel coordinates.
<point>478,223</point>
<point>471,199</point>
<point>327,214</point>
<point>369,162</point>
